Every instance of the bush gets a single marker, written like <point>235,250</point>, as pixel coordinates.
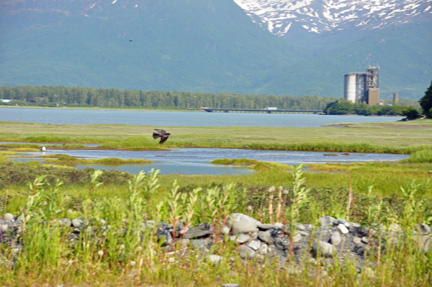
<point>411,113</point>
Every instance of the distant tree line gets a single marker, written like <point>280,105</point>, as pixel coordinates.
<point>49,96</point>
<point>343,107</point>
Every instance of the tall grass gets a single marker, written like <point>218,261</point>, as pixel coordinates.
<point>116,243</point>
<point>420,156</point>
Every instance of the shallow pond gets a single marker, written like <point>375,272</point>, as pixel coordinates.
<point>197,160</point>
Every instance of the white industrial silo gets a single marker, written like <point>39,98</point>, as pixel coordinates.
<point>350,87</point>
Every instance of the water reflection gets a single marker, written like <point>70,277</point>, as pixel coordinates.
<point>197,160</point>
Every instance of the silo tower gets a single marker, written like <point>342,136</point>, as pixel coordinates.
<point>362,87</point>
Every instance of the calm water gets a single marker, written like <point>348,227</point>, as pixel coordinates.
<point>184,119</point>
<point>197,160</point>
<point>186,160</point>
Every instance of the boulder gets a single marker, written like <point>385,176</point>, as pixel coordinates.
<point>241,223</point>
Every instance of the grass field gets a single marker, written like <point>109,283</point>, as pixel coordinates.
<point>396,137</point>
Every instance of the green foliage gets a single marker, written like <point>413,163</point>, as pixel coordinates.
<point>420,156</point>
<point>343,107</point>
<point>298,195</point>
<point>114,98</point>
<point>411,113</point>
<point>340,107</point>
<point>426,102</point>
<point>415,208</point>
<point>94,182</point>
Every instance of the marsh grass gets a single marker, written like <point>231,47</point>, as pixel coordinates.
<point>71,160</point>
<point>251,163</point>
<point>388,137</point>
<point>420,156</point>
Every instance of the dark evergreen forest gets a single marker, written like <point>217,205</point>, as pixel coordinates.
<point>49,96</point>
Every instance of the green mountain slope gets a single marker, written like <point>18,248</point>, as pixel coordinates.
<point>194,45</point>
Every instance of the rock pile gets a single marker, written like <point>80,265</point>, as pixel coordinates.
<point>332,239</point>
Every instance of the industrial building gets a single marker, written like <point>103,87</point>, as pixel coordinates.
<point>363,87</point>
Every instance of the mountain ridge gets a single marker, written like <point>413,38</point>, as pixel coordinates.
<point>318,16</point>
<point>197,46</point>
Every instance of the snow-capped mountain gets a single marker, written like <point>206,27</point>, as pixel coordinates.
<point>317,16</point>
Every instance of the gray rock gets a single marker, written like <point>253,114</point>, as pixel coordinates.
<point>253,235</point>
<point>342,228</point>
<point>230,285</point>
<point>202,230</point>
<point>215,259</point>
<point>300,227</point>
<point>336,238</point>
<point>226,230</point>
<point>4,227</point>
<point>240,238</point>
<point>360,249</point>
<point>265,226</point>
<point>425,229</point>
<point>365,240</point>
<point>341,221</point>
<point>77,223</point>
<point>246,252</point>
<point>9,217</point>
<point>357,241</point>
<point>264,236</point>
<point>281,243</point>
<point>264,249</point>
<point>353,228</point>
<point>278,225</point>
<point>164,235</point>
<point>255,244</point>
<point>327,221</point>
<point>424,242</point>
<point>324,249</point>
<point>297,237</point>
<point>242,223</point>
<point>65,222</point>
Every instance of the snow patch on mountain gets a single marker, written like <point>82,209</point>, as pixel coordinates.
<point>317,16</point>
